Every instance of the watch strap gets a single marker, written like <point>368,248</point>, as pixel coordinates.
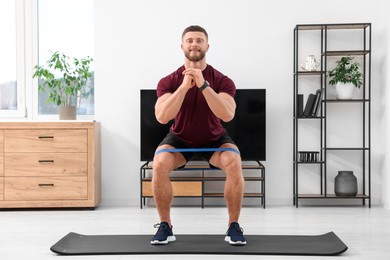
<point>205,85</point>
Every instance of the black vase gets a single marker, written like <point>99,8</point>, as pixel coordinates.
<point>345,184</point>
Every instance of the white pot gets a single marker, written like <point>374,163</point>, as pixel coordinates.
<point>67,112</point>
<point>344,90</point>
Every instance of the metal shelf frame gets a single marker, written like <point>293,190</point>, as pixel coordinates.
<point>365,101</point>
<point>257,166</point>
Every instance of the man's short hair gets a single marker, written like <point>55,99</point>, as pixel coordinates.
<point>194,28</point>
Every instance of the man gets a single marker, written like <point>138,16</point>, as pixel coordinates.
<point>197,97</point>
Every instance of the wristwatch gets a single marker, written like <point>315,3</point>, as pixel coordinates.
<point>205,85</point>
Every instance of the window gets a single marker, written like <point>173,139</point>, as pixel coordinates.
<point>29,31</point>
<point>11,61</point>
<point>66,26</point>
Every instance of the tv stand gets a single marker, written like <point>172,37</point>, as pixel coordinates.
<point>190,181</point>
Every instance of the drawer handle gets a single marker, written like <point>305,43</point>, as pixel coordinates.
<point>46,185</point>
<point>44,137</point>
<point>46,161</point>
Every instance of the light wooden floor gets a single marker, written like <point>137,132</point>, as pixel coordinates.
<point>29,234</point>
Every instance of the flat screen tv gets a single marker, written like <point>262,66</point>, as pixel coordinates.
<point>247,129</point>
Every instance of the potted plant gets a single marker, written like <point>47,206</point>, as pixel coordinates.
<point>64,82</point>
<point>345,76</point>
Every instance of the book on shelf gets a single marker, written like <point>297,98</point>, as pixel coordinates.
<point>312,104</point>
<point>300,105</point>
<point>309,105</point>
<point>317,103</point>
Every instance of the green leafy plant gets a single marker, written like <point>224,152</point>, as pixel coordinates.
<point>346,71</point>
<point>65,81</point>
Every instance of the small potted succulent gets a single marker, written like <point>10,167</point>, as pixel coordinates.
<point>64,82</point>
<point>345,76</point>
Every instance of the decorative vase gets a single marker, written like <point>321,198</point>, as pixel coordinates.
<point>344,90</point>
<point>345,184</point>
<point>67,112</point>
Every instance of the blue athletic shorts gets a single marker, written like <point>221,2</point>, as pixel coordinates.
<point>174,141</point>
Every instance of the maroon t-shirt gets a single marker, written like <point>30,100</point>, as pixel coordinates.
<point>196,124</point>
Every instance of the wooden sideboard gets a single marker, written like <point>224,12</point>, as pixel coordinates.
<point>49,164</point>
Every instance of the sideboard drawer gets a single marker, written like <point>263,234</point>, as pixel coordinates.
<point>40,188</point>
<point>45,164</point>
<point>46,140</point>
<point>1,155</point>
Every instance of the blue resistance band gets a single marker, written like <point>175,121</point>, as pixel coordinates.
<point>184,150</point>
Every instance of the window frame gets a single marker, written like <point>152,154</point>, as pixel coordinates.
<point>27,57</point>
<point>20,112</point>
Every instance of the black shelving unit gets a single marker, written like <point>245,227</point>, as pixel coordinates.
<point>200,181</point>
<point>364,181</point>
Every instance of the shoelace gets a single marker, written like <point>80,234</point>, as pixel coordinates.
<point>237,230</point>
<point>161,229</point>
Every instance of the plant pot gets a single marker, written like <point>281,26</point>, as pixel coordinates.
<point>344,90</point>
<point>67,112</point>
<point>345,184</point>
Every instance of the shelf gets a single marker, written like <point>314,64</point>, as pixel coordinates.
<point>224,179</point>
<point>332,26</point>
<point>310,73</point>
<point>177,179</point>
<point>204,179</point>
<point>319,162</point>
<point>331,196</point>
<point>345,100</point>
<point>246,195</point>
<point>345,148</point>
<point>204,167</point>
<point>176,196</point>
<point>346,53</point>
<point>309,117</point>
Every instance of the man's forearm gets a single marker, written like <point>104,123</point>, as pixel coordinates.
<point>222,105</point>
<point>167,107</point>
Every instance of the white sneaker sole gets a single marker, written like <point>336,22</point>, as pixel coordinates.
<point>164,242</point>
<point>236,243</point>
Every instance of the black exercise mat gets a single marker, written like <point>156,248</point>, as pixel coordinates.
<point>77,244</point>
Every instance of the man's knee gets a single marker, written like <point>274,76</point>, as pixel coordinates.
<point>229,161</point>
<point>165,163</point>
<point>161,168</point>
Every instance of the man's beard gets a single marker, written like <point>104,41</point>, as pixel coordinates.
<point>200,57</point>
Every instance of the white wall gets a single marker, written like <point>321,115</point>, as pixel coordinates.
<point>385,102</point>
<point>138,42</point>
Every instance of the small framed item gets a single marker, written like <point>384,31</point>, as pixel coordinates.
<point>308,156</point>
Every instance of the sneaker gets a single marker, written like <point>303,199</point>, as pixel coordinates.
<point>164,234</point>
<point>235,235</point>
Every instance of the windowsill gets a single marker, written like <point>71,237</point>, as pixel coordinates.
<point>47,118</point>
